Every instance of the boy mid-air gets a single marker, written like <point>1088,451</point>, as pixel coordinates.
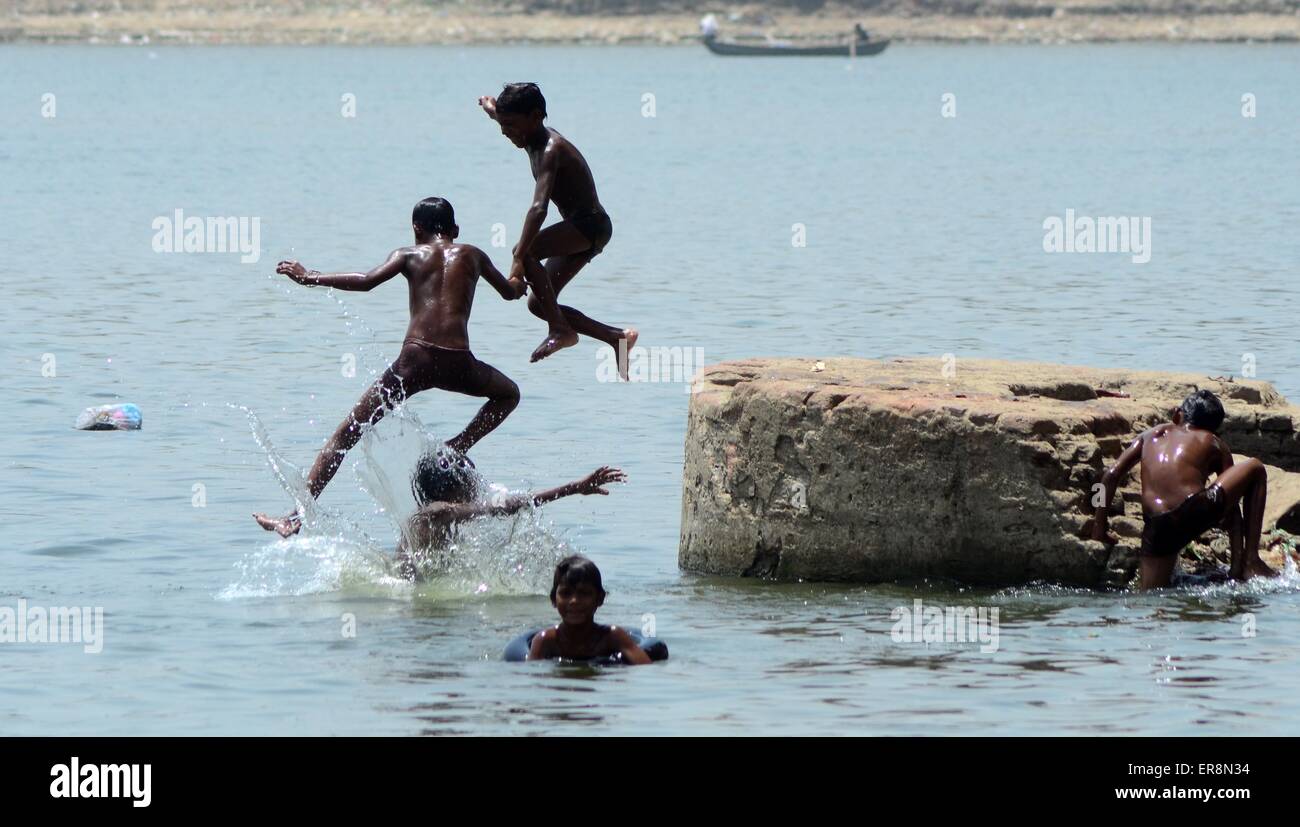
<point>441,276</point>
<point>562,176</point>
<point>1177,458</point>
<point>447,493</point>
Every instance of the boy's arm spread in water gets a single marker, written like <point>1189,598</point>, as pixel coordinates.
<point>1110,481</point>
<point>632,651</point>
<point>346,281</point>
<point>593,483</point>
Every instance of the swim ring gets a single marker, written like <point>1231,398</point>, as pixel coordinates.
<point>517,649</point>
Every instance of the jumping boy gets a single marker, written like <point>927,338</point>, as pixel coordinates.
<point>446,492</point>
<point>1177,458</point>
<point>441,276</point>
<point>562,176</point>
<point>576,593</point>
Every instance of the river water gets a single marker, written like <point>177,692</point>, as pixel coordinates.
<point>761,207</point>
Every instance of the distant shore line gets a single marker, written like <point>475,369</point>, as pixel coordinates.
<point>366,27</point>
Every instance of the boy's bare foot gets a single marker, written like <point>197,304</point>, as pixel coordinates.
<point>284,526</point>
<point>553,342</point>
<point>623,350</point>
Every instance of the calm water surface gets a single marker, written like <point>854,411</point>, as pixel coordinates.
<point>924,236</point>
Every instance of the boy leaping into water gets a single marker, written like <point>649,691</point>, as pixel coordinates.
<point>1177,458</point>
<point>441,276</point>
<point>562,176</point>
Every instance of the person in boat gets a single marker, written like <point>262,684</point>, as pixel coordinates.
<point>709,27</point>
<point>860,33</point>
<point>1177,458</point>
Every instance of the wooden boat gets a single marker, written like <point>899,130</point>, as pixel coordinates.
<point>730,48</point>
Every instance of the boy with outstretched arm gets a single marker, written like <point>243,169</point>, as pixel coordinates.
<point>441,276</point>
<point>1177,458</point>
<point>446,490</point>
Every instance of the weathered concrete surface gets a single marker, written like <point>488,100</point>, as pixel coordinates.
<point>881,470</point>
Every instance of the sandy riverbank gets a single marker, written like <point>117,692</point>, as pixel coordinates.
<point>417,24</point>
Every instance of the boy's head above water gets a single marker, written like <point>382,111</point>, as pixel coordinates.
<point>434,216</point>
<point>443,477</point>
<point>1201,409</point>
<point>577,591</point>
<point>520,111</point>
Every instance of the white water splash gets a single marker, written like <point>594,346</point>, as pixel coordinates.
<point>303,565</point>
<point>507,555</point>
<point>500,555</point>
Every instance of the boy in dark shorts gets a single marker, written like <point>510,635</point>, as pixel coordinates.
<point>446,491</point>
<point>1177,458</point>
<point>441,276</point>
<point>576,593</point>
<point>562,176</point>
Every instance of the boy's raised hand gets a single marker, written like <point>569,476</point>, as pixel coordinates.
<point>293,270</point>
<point>489,105</point>
<point>593,482</point>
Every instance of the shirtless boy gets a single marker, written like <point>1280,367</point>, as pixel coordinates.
<point>1177,458</point>
<point>445,490</point>
<point>576,593</point>
<point>562,176</point>
<point>441,276</point>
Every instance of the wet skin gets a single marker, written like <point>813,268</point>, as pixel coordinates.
<point>1176,460</point>
<point>578,636</point>
<point>548,259</point>
<point>441,276</point>
<point>432,527</point>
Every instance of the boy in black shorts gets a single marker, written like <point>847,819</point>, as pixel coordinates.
<point>1177,458</point>
<point>441,276</point>
<point>562,176</point>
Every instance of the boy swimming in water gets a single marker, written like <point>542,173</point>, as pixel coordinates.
<point>562,176</point>
<point>441,276</point>
<point>576,593</point>
<point>447,495</point>
<point>1177,458</point>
